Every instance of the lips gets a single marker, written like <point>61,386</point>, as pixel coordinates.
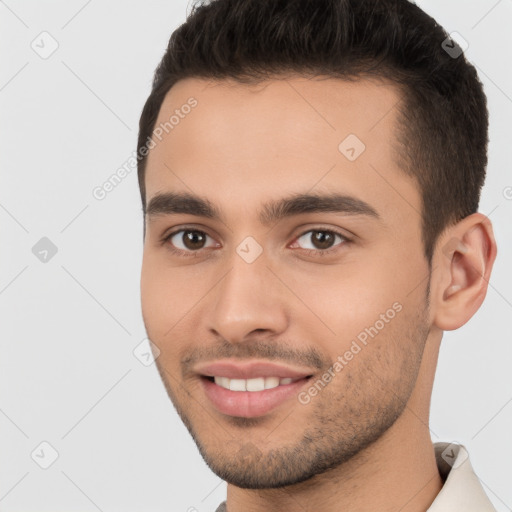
<point>250,389</point>
<point>251,370</point>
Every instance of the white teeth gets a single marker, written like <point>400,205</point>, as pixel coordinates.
<point>222,381</point>
<point>237,385</point>
<point>271,382</point>
<point>256,384</point>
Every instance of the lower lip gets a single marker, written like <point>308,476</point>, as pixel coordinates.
<point>250,404</point>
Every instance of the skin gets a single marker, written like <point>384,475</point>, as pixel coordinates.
<point>362,443</point>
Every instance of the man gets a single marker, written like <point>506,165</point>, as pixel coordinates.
<point>310,174</point>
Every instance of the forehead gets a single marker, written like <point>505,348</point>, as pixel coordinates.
<point>280,112</point>
<point>279,136</point>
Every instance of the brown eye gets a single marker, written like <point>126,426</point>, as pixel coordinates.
<point>193,239</point>
<point>320,239</point>
<point>188,240</point>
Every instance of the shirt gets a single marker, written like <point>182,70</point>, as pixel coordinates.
<point>461,488</point>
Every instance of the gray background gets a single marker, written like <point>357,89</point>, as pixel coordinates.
<point>70,323</point>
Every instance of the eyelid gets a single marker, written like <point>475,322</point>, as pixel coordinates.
<point>344,233</point>
<point>168,235</point>
<point>178,229</point>
<point>334,231</point>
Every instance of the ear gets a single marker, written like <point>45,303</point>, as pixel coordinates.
<point>462,264</point>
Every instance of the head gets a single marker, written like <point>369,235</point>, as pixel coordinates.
<point>269,124</point>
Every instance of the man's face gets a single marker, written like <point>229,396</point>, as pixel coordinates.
<point>303,291</point>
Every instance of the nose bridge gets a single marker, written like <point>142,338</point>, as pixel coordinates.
<point>248,297</point>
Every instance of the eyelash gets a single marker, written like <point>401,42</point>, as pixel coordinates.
<point>180,252</point>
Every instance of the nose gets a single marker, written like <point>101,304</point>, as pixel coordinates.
<point>248,300</point>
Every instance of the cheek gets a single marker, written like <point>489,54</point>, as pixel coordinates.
<point>169,296</point>
<point>349,298</point>
<point>364,300</point>
<point>162,297</point>
<point>161,317</point>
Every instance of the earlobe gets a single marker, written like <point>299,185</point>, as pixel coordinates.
<point>464,259</point>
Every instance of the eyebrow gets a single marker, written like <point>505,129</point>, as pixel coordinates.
<point>170,203</point>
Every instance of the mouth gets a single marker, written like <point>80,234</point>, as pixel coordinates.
<point>253,385</point>
<point>251,388</point>
<point>254,397</point>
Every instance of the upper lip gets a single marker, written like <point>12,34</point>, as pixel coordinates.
<point>249,370</point>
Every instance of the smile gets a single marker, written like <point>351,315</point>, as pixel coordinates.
<point>251,398</point>
<point>255,384</point>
